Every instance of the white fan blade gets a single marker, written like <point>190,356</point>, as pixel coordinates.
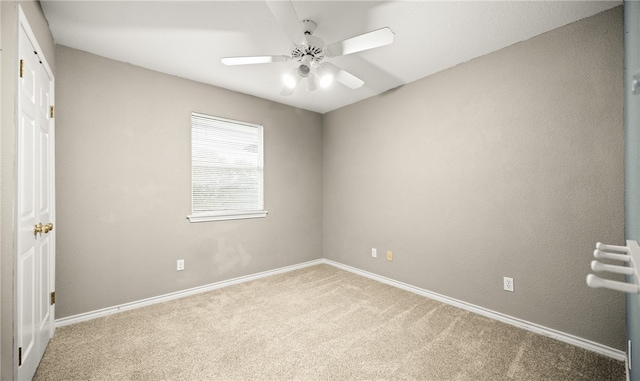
<point>377,38</point>
<point>343,76</point>
<point>288,19</point>
<point>254,60</point>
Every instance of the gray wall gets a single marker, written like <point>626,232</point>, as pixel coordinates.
<point>8,78</point>
<point>123,167</point>
<point>507,165</point>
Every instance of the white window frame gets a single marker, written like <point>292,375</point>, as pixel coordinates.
<point>219,215</point>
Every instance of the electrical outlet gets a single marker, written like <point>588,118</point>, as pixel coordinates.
<point>389,256</point>
<point>508,284</point>
<point>180,265</point>
<point>374,253</point>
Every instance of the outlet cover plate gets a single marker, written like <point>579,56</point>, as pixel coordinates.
<point>180,265</point>
<point>508,284</point>
<point>374,253</point>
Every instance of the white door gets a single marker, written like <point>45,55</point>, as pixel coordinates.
<point>34,205</point>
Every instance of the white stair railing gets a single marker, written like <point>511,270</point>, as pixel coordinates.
<point>629,255</point>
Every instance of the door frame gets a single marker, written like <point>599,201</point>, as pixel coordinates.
<point>632,171</point>
<point>23,23</point>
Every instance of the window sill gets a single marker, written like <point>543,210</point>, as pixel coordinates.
<point>226,216</point>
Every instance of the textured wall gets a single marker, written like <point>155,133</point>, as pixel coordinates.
<point>508,165</point>
<point>9,51</point>
<point>124,182</point>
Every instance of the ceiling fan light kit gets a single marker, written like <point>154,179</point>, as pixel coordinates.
<point>290,80</point>
<point>310,51</point>
<point>326,78</point>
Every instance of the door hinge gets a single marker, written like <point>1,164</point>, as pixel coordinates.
<point>21,68</point>
<point>51,112</point>
<point>20,356</point>
<point>53,298</point>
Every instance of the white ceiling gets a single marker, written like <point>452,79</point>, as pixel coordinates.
<point>188,38</point>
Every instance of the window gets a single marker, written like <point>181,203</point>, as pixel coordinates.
<point>226,169</point>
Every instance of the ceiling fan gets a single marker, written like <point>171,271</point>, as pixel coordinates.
<point>310,51</point>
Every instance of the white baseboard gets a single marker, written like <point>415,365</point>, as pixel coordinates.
<point>179,294</point>
<point>561,336</point>
<point>545,331</point>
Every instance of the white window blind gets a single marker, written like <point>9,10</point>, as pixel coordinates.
<point>226,169</point>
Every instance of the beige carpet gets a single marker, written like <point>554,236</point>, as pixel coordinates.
<point>318,323</point>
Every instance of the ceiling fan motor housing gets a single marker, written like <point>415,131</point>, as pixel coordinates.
<point>314,51</point>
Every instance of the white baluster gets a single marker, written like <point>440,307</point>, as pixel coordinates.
<point>629,254</point>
